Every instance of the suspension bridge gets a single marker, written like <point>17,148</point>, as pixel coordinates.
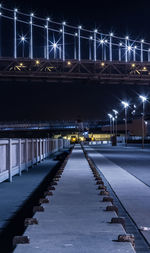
<point>39,48</point>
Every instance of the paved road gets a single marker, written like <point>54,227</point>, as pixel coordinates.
<point>133,159</point>
<point>124,168</point>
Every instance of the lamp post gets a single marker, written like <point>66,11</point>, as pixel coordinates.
<point>126,48</point>
<point>75,46</point>
<point>144,99</point>
<point>23,41</point>
<point>63,40</point>
<point>126,105</point>
<point>116,116</point>
<point>110,118</point>
<point>113,121</point>
<point>31,35</point>
<point>102,44</point>
<point>142,41</point>
<point>90,48</point>
<point>54,48</point>
<point>47,38</point>
<point>134,53</point>
<point>79,42</point>
<point>95,56</point>
<point>110,47</point>
<point>120,45</point>
<point>15,33</point>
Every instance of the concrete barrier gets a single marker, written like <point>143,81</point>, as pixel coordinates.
<point>17,155</point>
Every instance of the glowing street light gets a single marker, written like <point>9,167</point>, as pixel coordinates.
<point>47,38</point>
<point>120,46</point>
<point>75,46</point>
<point>134,53</point>
<point>31,35</point>
<point>95,56</point>
<point>79,42</point>
<point>63,39</point>
<point>116,117</point>
<point>110,47</point>
<point>90,47</point>
<point>144,99</point>
<point>110,118</point>
<point>15,33</point>
<point>23,39</point>
<point>126,105</point>
<point>142,41</point>
<point>126,48</point>
<point>54,45</point>
<point>113,121</point>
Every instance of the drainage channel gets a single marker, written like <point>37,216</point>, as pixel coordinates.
<point>141,245</point>
<point>17,224</point>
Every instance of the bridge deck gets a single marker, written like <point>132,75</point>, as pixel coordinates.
<point>75,220</point>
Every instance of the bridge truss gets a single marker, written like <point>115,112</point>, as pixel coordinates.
<point>73,70</point>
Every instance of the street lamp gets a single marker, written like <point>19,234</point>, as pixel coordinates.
<point>110,47</point>
<point>54,48</point>
<point>23,41</point>
<point>126,48</point>
<point>113,121</point>
<point>110,118</point>
<point>126,105</point>
<point>144,99</point>
<point>116,116</point>
<point>142,41</point>
<point>95,56</point>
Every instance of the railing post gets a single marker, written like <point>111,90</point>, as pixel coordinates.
<point>19,157</point>
<point>26,154</point>
<point>10,160</point>
<point>37,151</point>
<point>40,149</point>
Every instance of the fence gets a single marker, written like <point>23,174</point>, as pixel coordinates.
<point>17,155</point>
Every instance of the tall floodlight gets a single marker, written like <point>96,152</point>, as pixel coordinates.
<point>116,117</point>
<point>110,118</point>
<point>129,50</point>
<point>54,45</point>
<point>47,38</point>
<point>102,45</point>
<point>126,105</point>
<point>15,33</point>
<point>149,55</point>
<point>23,41</point>
<point>90,47</point>
<point>31,36</point>
<point>75,46</point>
<point>126,48</point>
<point>119,55</point>
<point>110,47</point>
<point>105,56</point>
<point>63,40</point>
<point>113,122</point>
<point>95,55</point>
<point>79,42</point>
<point>134,53</point>
<point>142,41</point>
<point>144,99</point>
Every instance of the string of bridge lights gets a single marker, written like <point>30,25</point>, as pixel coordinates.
<point>127,47</point>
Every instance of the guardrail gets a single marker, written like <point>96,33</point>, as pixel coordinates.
<point>17,155</point>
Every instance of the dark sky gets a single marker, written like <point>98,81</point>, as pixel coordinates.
<point>71,101</point>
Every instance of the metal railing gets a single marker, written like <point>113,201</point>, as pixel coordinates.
<point>17,155</point>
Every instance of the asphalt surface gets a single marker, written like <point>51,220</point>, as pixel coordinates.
<point>133,159</point>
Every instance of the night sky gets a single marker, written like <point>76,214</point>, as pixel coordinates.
<point>79,100</point>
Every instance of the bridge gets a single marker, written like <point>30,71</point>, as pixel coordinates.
<point>67,53</point>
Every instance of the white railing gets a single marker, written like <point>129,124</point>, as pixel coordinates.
<point>17,155</point>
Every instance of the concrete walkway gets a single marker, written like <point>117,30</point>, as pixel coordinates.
<point>13,195</point>
<point>133,194</point>
<point>75,221</point>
